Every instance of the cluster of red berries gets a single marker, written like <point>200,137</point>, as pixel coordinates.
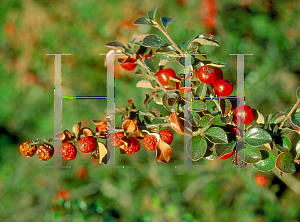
<point>214,76</point>
<point>150,141</point>
<point>131,145</point>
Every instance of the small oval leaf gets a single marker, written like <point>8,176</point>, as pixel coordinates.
<point>295,118</point>
<point>267,161</point>
<point>201,90</point>
<point>199,106</point>
<point>154,40</point>
<point>283,144</point>
<point>257,136</point>
<point>216,135</point>
<point>285,163</point>
<point>196,147</point>
<point>250,154</point>
<point>152,13</point>
<point>206,39</point>
<point>166,21</point>
<point>143,21</point>
<point>144,84</point>
<point>170,100</point>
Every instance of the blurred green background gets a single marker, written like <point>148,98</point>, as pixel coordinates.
<point>145,190</point>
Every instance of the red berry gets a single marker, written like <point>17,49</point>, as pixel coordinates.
<point>163,76</point>
<point>261,180</point>
<point>68,151</point>
<point>87,144</point>
<point>128,65</point>
<point>115,140</point>
<point>223,88</point>
<point>247,114</point>
<point>219,75</point>
<point>63,194</point>
<point>206,74</point>
<point>226,156</point>
<point>81,172</point>
<point>149,142</point>
<point>101,128</point>
<point>166,136</point>
<point>133,147</point>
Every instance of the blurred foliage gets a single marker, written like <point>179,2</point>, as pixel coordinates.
<point>144,190</point>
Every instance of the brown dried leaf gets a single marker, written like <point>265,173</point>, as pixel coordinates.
<point>129,126</point>
<point>155,111</point>
<point>178,125</point>
<point>102,152</point>
<point>99,122</point>
<point>86,132</point>
<point>76,129</point>
<point>144,84</point>
<point>163,151</point>
<point>64,137</point>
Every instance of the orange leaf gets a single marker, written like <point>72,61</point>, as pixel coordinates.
<point>129,126</point>
<point>178,125</point>
<point>163,151</point>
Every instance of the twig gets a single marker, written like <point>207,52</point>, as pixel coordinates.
<point>164,31</point>
<point>290,113</point>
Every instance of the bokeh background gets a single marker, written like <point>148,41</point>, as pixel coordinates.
<point>144,190</point>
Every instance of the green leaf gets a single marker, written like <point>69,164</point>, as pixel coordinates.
<point>143,21</point>
<point>216,135</point>
<point>223,149</point>
<point>166,21</point>
<point>201,90</point>
<point>115,45</point>
<point>225,106</point>
<point>226,120</point>
<point>187,44</point>
<point>206,39</point>
<point>267,161</point>
<point>211,107</point>
<point>283,144</point>
<point>298,93</point>
<point>195,119</point>
<point>285,163</point>
<point>152,63</point>
<point>298,148</point>
<point>210,155</point>
<point>196,147</point>
<point>169,50</point>
<point>170,100</point>
<point>217,64</point>
<point>295,118</point>
<point>193,47</point>
<point>181,60</point>
<point>199,106</point>
<point>206,122</point>
<point>152,13</point>
<point>257,136</point>
<point>154,40</point>
<point>250,154</point>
